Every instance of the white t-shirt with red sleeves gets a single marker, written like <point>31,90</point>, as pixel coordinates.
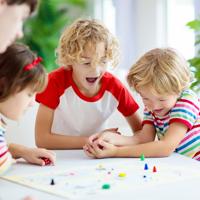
<point>76,114</point>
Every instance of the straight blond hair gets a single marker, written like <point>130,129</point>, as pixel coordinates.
<point>163,70</point>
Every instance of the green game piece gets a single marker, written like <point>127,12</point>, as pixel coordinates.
<point>142,157</point>
<point>105,186</point>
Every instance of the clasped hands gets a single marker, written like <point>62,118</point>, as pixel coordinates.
<point>103,144</point>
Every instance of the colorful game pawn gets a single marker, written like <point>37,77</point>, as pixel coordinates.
<point>46,161</point>
<point>154,169</point>
<point>146,166</point>
<point>142,157</point>
<point>52,182</point>
<point>105,186</point>
<point>122,175</point>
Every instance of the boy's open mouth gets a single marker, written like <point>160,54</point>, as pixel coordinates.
<point>91,79</point>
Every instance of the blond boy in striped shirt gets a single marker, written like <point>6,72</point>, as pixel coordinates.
<point>162,77</point>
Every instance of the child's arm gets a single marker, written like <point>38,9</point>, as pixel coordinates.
<point>31,155</point>
<point>147,134</point>
<point>161,148</point>
<point>135,121</point>
<point>46,139</point>
<point>108,135</point>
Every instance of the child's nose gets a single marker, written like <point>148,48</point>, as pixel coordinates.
<point>96,69</point>
<point>20,33</point>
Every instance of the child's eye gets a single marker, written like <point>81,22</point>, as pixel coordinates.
<point>104,62</point>
<point>30,94</point>
<point>144,98</point>
<point>162,99</point>
<point>87,63</point>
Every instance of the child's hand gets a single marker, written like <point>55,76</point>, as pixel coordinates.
<point>37,155</point>
<point>87,152</point>
<point>109,137</point>
<point>106,135</point>
<point>104,150</point>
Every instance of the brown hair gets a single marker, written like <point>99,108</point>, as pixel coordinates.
<point>31,3</point>
<point>13,77</point>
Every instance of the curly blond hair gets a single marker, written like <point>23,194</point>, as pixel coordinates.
<point>165,71</point>
<point>78,35</point>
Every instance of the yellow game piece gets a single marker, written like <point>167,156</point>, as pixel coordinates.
<point>122,174</point>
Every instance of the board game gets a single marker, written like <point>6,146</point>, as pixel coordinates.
<point>82,182</point>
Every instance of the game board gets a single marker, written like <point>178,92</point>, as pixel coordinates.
<point>79,182</point>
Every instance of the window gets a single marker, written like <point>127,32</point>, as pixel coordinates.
<point>163,24</point>
<point>179,36</point>
<point>104,10</point>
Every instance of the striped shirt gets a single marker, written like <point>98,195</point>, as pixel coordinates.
<point>186,111</point>
<point>5,156</point>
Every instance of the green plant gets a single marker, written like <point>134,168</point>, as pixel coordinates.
<point>42,31</point>
<point>195,62</point>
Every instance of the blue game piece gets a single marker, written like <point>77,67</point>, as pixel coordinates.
<point>146,166</point>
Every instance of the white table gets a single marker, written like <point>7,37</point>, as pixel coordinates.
<point>183,190</point>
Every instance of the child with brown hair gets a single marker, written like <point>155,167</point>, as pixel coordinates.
<point>82,95</point>
<point>21,76</point>
<point>172,111</point>
<point>12,16</point>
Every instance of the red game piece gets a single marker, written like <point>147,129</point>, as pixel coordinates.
<point>154,169</point>
<point>46,161</point>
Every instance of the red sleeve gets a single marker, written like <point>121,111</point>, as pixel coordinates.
<point>50,97</point>
<point>127,105</point>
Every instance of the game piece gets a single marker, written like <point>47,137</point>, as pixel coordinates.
<point>46,161</point>
<point>154,169</point>
<point>52,182</point>
<point>142,157</point>
<point>146,166</point>
<point>122,174</point>
<point>105,186</point>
